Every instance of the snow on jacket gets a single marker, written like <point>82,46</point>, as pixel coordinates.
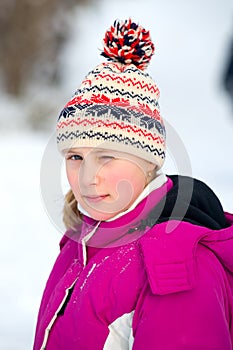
<point>143,282</point>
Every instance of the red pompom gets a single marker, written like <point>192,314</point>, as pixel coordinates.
<point>128,43</point>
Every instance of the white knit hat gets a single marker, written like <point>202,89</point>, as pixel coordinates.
<point>116,107</point>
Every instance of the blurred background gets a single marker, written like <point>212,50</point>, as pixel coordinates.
<point>46,49</point>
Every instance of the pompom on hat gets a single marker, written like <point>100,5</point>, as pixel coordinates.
<point>116,107</point>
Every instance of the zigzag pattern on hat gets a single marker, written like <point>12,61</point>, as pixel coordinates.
<point>118,92</point>
<point>129,80</point>
<point>115,66</point>
<point>81,103</point>
<point>114,125</point>
<point>112,137</point>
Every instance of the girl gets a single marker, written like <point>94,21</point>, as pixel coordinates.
<point>146,262</point>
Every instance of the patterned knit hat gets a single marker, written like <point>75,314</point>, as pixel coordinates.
<point>116,106</point>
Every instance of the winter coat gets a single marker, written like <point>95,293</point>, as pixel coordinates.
<point>159,277</point>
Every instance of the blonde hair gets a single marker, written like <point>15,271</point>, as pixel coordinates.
<point>71,214</point>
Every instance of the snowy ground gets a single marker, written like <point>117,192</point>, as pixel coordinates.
<point>191,40</point>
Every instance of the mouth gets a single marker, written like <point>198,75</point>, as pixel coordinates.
<point>95,199</point>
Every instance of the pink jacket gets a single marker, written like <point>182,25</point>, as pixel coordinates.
<point>157,289</point>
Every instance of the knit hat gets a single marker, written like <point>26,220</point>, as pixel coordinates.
<point>116,107</point>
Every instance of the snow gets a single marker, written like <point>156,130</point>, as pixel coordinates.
<point>191,41</point>
<point>29,241</point>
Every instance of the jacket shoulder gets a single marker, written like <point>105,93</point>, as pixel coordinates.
<point>169,256</point>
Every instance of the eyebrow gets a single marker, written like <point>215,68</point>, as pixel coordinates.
<point>71,152</point>
<point>97,152</point>
<point>104,151</point>
<point>94,151</point>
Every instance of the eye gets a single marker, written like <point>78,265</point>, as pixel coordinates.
<point>106,158</point>
<point>73,157</point>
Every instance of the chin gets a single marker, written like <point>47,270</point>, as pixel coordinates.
<point>103,216</point>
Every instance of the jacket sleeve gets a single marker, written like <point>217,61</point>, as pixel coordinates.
<point>175,313</point>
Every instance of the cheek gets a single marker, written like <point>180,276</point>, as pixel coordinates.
<point>70,175</point>
<point>129,186</point>
<point>72,178</point>
<point>138,186</point>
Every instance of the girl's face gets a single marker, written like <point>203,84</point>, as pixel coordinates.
<point>105,182</point>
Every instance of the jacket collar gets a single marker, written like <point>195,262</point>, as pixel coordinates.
<point>114,233</point>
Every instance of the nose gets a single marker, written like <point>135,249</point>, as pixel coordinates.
<point>89,174</point>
